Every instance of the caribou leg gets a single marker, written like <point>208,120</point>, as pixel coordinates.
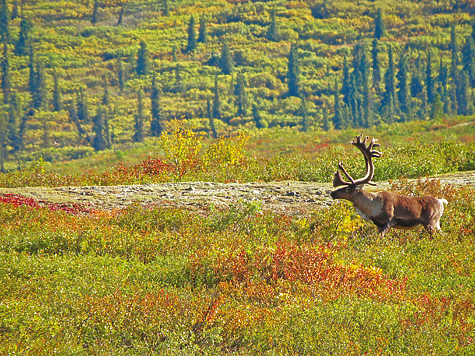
<point>386,227</point>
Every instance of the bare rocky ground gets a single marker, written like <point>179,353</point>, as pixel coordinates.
<point>293,198</point>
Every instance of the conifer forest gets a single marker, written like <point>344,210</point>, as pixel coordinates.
<point>84,76</point>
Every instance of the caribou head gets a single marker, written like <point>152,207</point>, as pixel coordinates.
<point>349,188</point>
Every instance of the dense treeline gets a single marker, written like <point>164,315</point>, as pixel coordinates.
<point>104,73</point>
<point>420,90</point>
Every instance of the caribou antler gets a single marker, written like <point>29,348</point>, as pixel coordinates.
<point>338,180</point>
<point>368,153</point>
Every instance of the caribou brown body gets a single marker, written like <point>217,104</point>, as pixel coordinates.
<point>386,209</point>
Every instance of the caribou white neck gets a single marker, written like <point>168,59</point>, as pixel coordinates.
<point>366,203</point>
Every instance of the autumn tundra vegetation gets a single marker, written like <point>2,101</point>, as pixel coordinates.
<point>121,92</point>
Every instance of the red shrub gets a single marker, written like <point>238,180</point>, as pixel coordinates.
<point>19,200</point>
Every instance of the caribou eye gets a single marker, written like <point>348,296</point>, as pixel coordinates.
<point>348,189</point>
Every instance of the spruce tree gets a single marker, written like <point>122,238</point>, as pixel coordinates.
<point>217,101</point>
<point>23,124</point>
<point>452,95</point>
<point>273,31</point>
<point>166,9</point>
<point>14,138</point>
<point>209,110</point>
<point>40,91</point>
<point>293,73</point>
<point>6,84</point>
<point>82,107</point>
<point>367,111</point>
<point>99,142</point>
<point>360,118</point>
<point>57,98</point>
<point>32,71</point>
<point>376,65</point>
<point>120,75</point>
<point>121,16</point>
<point>106,101</point>
<point>454,71</point>
<point>179,85</point>
<point>357,54</point>
<point>3,141</point>
<point>447,102</point>
<point>232,88</point>
<point>73,114</point>
<point>404,94</point>
<point>15,11</point>
<point>241,98</point>
<point>442,78</point>
<point>442,87</point>
<point>143,60</point>
<point>367,117</point>
<point>346,115</point>
<point>107,130</point>
<point>453,44</point>
<point>174,56</point>
<point>45,137</point>
<point>303,113</point>
<point>4,21</point>
<point>417,83</point>
<point>155,124</point>
<point>203,30</point>
<point>364,69</point>
<point>455,83</point>
<point>257,117</point>
<point>211,120</point>
<point>327,124</point>
<point>437,109</point>
<point>21,47</point>
<point>322,10</point>
<point>139,119</point>
<point>338,120</point>
<point>390,82</point>
<point>468,59</point>
<point>391,110</point>
<point>464,102</point>
<point>191,45</point>
<point>429,80</point>
<point>345,86</point>
<point>226,62</point>
<point>379,26</point>
<point>423,111</point>
<point>353,97</point>
<point>95,12</point>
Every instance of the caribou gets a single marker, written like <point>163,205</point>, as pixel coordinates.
<point>386,209</point>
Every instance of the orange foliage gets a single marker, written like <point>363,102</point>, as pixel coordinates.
<point>261,276</point>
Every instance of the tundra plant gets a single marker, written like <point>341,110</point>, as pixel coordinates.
<point>181,146</point>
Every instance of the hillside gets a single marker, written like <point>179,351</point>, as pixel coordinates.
<point>78,76</point>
